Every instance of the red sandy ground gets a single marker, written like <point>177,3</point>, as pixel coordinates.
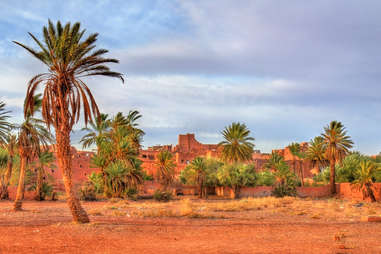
<point>45,227</point>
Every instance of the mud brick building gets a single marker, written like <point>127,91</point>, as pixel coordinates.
<point>185,151</point>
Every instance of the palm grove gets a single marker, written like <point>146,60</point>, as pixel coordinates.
<point>57,99</point>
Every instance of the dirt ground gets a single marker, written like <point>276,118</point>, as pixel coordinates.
<point>192,226</point>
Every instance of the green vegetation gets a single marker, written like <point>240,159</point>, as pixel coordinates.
<point>365,176</point>
<point>165,165</point>
<point>337,147</point>
<point>237,145</point>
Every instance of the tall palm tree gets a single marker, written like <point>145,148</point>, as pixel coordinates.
<point>316,153</point>
<point>364,178</point>
<point>165,168</point>
<point>337,147</point>
<point>45,158</point>
<point>4,124</point>
<point>238,145</point>
<point>69,59</point>
<point>10,146</point>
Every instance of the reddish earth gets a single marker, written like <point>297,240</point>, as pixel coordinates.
<point>45,227</point>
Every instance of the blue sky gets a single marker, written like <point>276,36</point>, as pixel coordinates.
<point>285,68</point>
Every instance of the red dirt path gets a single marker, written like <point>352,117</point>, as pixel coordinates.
<point>45,227</point>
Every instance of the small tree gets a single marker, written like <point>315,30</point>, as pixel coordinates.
<point>286,180</point>
<point>236,176</point>
<point>273,161</point>
<point>165,165</point>
<point>316,153</point>
<point>365,178</point>
<point>201,172</point>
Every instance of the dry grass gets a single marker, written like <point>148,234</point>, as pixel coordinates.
<point>326,209</point>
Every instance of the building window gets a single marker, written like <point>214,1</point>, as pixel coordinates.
<point>144,156</point>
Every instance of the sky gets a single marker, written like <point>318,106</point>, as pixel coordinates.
<point>284,68</point>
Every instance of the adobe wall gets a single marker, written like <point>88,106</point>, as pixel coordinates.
<point>345,191</point>
<point>314,192</point>
<point>80,169</point>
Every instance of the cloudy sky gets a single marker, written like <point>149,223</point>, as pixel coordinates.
<point>285,68</point>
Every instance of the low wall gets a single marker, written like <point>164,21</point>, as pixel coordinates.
<point>313,192</point>
<point>28,195</point>
<point>260,191</point>
<point>345,190</point>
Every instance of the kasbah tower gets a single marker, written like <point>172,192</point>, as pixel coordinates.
<point>184,152</point>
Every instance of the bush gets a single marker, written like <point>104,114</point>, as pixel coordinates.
<point>162,196</point>
<point>280,190</point>
<point>265,178</point>
<point>88,192</point>
<point>286,181</point>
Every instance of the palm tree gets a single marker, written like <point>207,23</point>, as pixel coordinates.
<point>273,161</point>
<point>165,168</point>
<point>5,126</point>
<point>69,60</point>
<point>45,158</point>
<point>237,146</point>
<point>316,153</point>
<point>199,166</point>
<point>97,133</point>
<point>364,178</point>
<point>10,146</point>
<point>32,135</point>
<point>337,145</point>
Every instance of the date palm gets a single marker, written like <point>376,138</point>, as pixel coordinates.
<point>97,132</point>
<point>31,137</point>
<point>238,145</point>
<point>316,153</point>
<point>69,59</point>
<point>165,165</point>
<point>337,145</point>
<point>10,145</point>
<point>364,178</point>
<point>45,158</point>
<point>273,161</point>
<point>4,124</point>
<point>199,166</point>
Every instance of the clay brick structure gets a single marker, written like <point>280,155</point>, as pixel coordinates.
<point>185,151</point>
<point>189,148</point>
<point>81,169</point>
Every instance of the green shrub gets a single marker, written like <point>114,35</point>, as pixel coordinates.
<point>265,178</point>
<point>286,180</point>
<point>162,196</point>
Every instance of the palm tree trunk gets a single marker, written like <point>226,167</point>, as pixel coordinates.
<point>370,192</point>
<point>38,196</point>
<point>332,176</point>
<point>64,162</point>
<point>301,172</point>
<point>20,188</point>
<point>4,185</point>
<point>237,190</point>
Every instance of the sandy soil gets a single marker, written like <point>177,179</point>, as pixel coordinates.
<point>45,227</point>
